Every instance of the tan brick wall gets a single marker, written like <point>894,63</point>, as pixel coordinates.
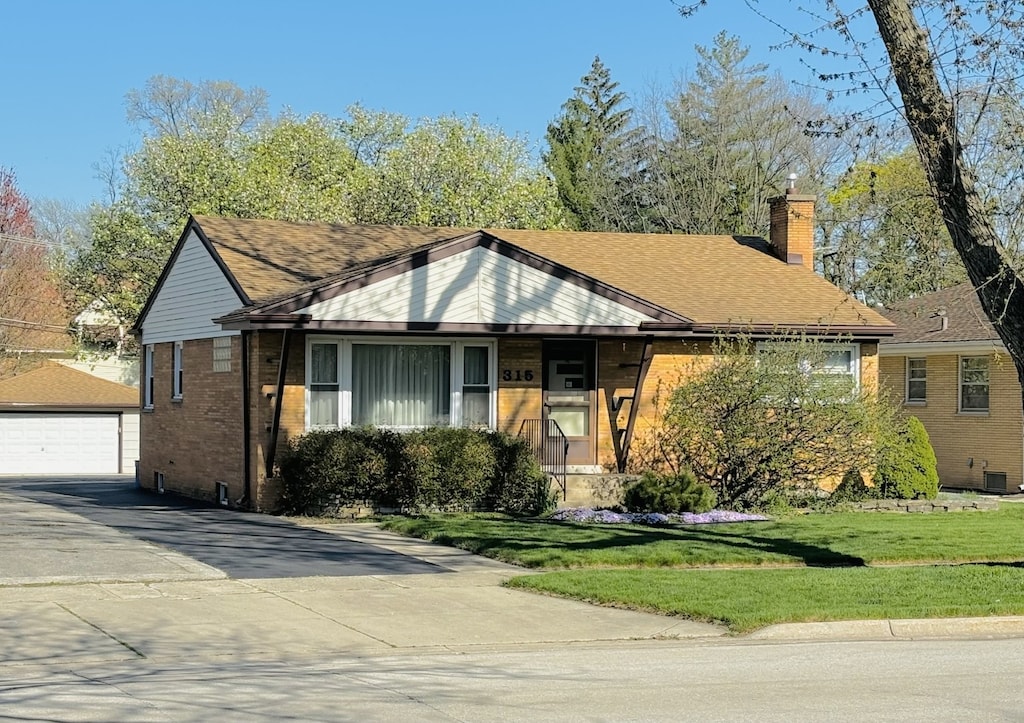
<point>198,440</point>
<point>522,399</point>
<point>265,364</point>
<point>993,441</point>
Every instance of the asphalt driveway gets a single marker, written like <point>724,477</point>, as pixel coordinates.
<point>243,545</point>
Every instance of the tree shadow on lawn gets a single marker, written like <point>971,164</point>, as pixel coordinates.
<point>621,537</point>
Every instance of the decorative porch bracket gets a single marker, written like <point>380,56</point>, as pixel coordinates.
<point>275,429</point>
<point>646,356</point>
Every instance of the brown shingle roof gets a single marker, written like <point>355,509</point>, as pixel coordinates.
<point>270,258</point>
<point>56,385</point>
<point>920,319</point>
<point>710,279</point>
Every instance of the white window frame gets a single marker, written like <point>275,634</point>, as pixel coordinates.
<point>960,384</point>
<point>906,394</point>
<point>853,347</point>
<point>177,370</point>
<point>149,379</point>
<point>456,381</point>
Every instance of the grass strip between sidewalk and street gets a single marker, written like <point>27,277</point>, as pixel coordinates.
<point>748,599</point>
<point>802,568</point>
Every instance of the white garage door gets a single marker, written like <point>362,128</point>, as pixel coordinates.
<point>59,443</point>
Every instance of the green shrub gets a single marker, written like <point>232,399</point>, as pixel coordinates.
<point>455,467</point>
<point>669,493</point>
<point>907,467</point>
<point>431,469</point>
<point>853,489</point>
<point>518,486</point>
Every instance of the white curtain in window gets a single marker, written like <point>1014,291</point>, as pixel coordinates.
<point>399,385</point>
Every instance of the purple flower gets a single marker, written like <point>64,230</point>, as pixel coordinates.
<point>607,517</point>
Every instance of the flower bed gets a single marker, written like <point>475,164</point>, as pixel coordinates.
<point>608,517</point>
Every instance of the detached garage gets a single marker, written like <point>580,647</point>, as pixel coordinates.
<point>58,420</point>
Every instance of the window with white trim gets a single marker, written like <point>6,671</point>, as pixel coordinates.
<point>838,359</point>
<point>177,375</point>
<point>400,383</point>
<point>917,380</point>
<point>974,381</point>
<point>147,388</point>
<point>476,386</point>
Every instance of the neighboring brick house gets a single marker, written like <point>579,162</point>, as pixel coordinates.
<point>947,367</point>
<point>260,330</point>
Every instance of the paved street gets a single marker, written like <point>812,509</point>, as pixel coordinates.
<point>117,605</point>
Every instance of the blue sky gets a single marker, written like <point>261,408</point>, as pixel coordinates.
<point>69,63</point>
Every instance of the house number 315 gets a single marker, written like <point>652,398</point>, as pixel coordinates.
<point>519,375</point>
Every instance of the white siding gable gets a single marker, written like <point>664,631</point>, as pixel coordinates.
<point>194,292</point>
<point>472,287</point>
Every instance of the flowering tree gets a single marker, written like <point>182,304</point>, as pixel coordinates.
<point>32,316</point>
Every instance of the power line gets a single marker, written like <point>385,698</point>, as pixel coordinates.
<point>24,241</point>
<point>24,324</point>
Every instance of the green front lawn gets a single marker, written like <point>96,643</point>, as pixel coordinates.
<point>831,562</point>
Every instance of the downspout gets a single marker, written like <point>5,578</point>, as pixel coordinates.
<point>246,424</point>
<point>282,370</point>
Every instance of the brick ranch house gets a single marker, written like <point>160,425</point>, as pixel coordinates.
<point>258,331</point>
<point>947,366</point>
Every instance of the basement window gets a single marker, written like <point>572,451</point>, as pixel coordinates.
<point>995,481</point>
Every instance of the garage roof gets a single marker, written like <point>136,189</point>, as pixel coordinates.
<point>56,385</point>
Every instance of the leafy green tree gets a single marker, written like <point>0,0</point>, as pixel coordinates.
<point>592,154</point>
<point>889,242</point>
<point>752,421</point>
<point>454,172</point>
<point>731,136</point>
<point>212,148</point>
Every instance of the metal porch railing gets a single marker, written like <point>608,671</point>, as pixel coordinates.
<point>550,447</point>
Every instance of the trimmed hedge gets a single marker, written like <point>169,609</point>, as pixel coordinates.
<point>437,468</point>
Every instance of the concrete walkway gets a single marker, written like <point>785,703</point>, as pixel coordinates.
<point>73,590</point>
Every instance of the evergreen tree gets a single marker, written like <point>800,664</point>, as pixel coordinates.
<point>592,154</point>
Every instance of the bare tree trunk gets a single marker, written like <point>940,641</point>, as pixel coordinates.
<point>932,121</point>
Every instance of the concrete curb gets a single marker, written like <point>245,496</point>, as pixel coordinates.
<point>915,629</point>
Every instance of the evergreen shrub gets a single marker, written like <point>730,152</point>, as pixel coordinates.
<point>668,493</point>
<point>907,467</point>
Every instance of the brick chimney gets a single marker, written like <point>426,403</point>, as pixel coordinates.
<point>791,230</point>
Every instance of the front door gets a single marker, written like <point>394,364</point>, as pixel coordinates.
<point>570,395</point>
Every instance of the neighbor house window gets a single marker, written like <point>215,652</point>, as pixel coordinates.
<point>974,384</point>
<point>400,383</point>
<point>917,380</point>
<point>147,389</point>
<point>177,377</point>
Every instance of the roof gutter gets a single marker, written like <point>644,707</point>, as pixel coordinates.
<point>770,330</point>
